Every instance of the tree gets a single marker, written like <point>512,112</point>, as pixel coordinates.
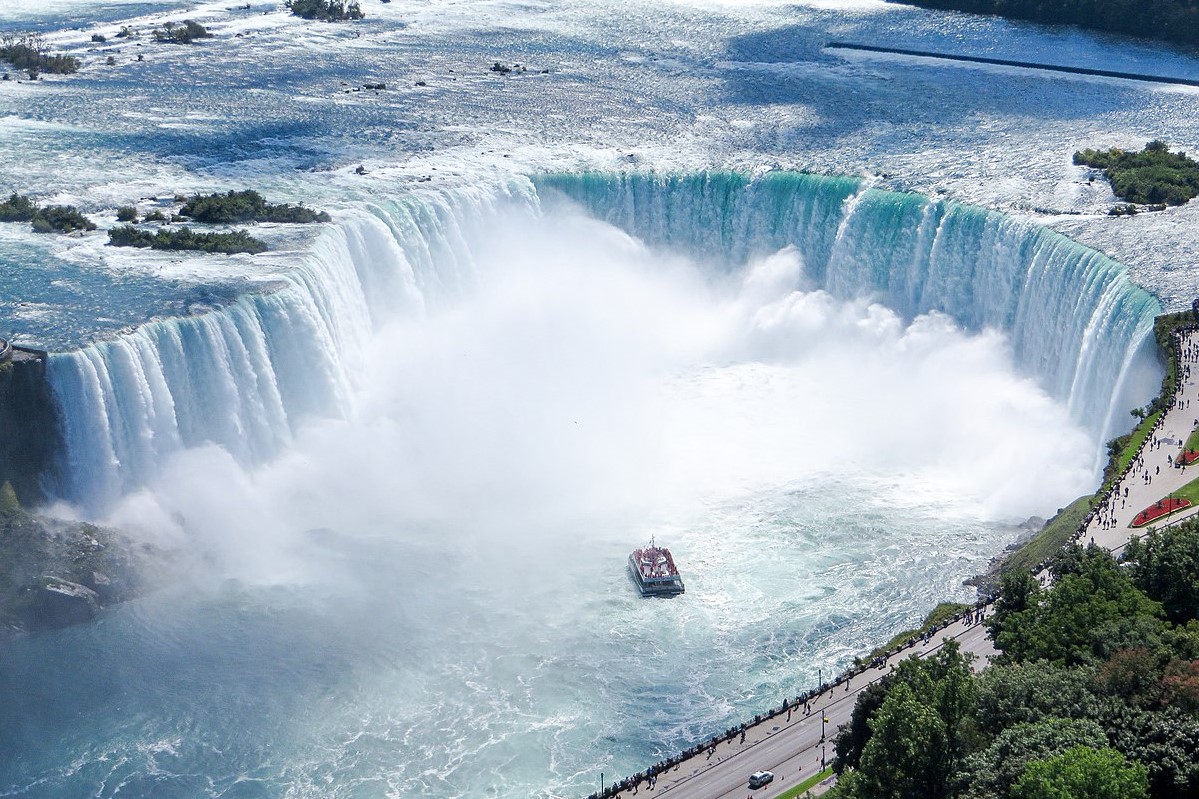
<point>917,734</point>
<point>905,756</point>
<point>18,208</point>
<point>995,770</point>
<point>1180,685</point>
<point>326,10</point>
<point>852,738</point>
<point>1166,741</point>
<point>1132,674</point>
<point>1092,610</point>
<point>1024,693</point>
<point>1084,773</point>
<point>1018,590</point>
<point>1166,567</point>
<point>186,33</point>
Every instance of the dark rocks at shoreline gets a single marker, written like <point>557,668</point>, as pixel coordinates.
<point>55,573</point>
<point>988,581</point>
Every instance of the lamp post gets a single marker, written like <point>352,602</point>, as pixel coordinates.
<point>823,720</point>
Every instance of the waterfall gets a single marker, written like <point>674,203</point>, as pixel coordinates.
<point>1075,320</point>
<point>244,376</point>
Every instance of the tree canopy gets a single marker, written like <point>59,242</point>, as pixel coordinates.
<point>1095,692</point>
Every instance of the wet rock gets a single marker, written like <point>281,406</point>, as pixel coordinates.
<point>59,603</point>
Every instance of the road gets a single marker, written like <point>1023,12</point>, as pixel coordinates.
<point>794,745</point>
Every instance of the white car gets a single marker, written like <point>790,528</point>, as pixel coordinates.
<point>760,778</point>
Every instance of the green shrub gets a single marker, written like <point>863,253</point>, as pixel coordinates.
<point>326,10</point>
<point>1152,176</point>
<point>246,206</point>
<point>154,216</point>
<point>63,218</point>
<point>126,213</point>
<point>186,33</point>
<point>185,238</point>
<point>29,53</point>
<point>17,208</point>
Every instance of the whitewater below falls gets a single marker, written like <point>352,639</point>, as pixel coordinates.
<point>682,273</point>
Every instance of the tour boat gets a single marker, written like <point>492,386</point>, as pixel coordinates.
<point>654,571</point>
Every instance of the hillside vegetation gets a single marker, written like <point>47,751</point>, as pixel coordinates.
<point>1095,694</point>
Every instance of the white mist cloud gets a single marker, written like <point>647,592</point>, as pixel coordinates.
<point>584,377</point>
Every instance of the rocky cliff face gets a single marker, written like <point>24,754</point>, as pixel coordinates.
<point>55,573</point>
<point>30,436</point>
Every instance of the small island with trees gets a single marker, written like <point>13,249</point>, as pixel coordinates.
<point>29,52</point>
<point>44,219</point>
<point>186,33</point>
<point>326,10</point>
<point>1153,176</point>
<point>184,238</point>
<point>232,207</point>
<point>246,206</point>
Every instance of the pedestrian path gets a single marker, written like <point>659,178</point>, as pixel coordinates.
<point>1153,476</point>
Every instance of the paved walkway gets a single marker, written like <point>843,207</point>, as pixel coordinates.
<point>1153,476</point>
<point>796,744</point>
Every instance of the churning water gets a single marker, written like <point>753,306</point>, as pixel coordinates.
<point>398,465</point>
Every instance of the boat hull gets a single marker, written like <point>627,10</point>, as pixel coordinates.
<point>667,585</point>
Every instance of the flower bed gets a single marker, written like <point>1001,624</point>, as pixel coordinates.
<point>1188,457</point>
<point>1163,507</point>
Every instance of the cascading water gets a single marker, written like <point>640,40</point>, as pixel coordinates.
<point>240,377</point>
<point>404,558</point>
<point>1075,320</point>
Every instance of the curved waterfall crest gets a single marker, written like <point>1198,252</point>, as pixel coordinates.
<point>243,376</point>
<point>1074,318</point>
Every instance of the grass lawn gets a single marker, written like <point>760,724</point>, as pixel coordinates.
<point>1192,440</point>
<point>1189,491</point>
<point>807,784</point>
<point>1055,535</point>
<point>1135,442</point>
<point>941,613</point>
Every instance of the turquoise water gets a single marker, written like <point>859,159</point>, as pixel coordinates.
<point>562,312</point>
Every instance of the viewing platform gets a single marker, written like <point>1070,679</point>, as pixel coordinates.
<point>15,353</point>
